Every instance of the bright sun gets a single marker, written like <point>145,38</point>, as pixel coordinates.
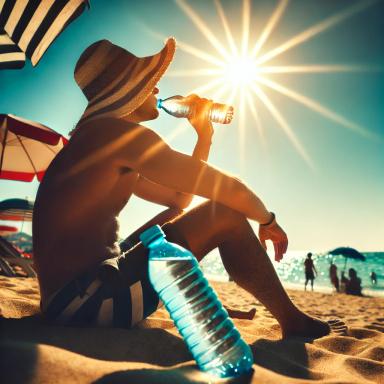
<point>241,71</point>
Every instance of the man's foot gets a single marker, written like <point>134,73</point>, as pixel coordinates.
<point>310,327</point>
<point>246,315</point>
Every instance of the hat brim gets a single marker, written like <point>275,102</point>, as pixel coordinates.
<point>135,97</point>
<point>149,86</point>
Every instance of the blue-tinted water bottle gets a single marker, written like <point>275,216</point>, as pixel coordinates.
<point>199,316</point>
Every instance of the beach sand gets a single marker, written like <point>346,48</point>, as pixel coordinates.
<point>33,351</point>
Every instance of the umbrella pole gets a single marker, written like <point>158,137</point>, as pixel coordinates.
<point>345,263</point>
<point>4,125</point>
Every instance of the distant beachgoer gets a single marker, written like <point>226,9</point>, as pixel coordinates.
<point>353,285</point>
<point>310,271</point>
<point>333,276</point>
<point>83,275</point>
<point>373,277</point>
<point>343,282</point>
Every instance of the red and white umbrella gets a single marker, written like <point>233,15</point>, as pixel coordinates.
<point>26,148</point>
<point>7,230</point>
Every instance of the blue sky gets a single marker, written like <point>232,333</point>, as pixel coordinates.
<point>338,200</point>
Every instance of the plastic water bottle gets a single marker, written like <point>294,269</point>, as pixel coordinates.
<point>199,316</point>
<point>180,106</point>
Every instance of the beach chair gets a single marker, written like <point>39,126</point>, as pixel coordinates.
<point>10,256</point>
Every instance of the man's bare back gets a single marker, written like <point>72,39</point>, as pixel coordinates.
<point>75,219</point>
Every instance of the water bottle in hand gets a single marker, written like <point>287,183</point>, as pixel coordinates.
<point>180,106</point>
<point>199,316</point>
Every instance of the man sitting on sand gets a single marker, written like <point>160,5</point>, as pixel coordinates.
<point>84,278</point>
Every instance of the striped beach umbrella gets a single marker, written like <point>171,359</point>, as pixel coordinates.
<point>26,148</point>
<point>16,209</point>
<point>6,230</point>
<point>28,28</point>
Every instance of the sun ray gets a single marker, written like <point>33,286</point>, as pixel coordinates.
<point>199,23</point>
<point>195,72</point>
<point>319,68</point>
<point>228,33</point>
<point>185,47</point>
<point>242,128</point>
<point>232,96</point>
<point>282,123</point>
<point>316,29</point>
<point>216,97</point>
<point>316,106</point>
<point>246,24</point>
<point>177,131</point>
<point>206,87</point>
<point>199,53</point>
<point>272,22</point>
<point>103,153</point>
<point>255,114</point>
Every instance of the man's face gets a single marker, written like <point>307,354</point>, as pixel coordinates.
<point>148,110</point>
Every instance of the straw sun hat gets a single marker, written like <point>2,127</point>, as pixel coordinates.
<point>115,81</point>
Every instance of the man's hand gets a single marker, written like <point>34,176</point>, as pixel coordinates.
<point>200,118</point>
<point>279,238</point>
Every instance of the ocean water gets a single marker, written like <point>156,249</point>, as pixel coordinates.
<point>291,270</point>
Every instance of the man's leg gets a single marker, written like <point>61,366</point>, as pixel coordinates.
<point>212,225</point>
<point>160,219</point>
<point>312,284</point>
<point>305,284</point>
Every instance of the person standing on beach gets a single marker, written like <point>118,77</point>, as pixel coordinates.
<point>333,276</point>
<point>84,277</point>
<point>373,277</point>
<point>310,271</point>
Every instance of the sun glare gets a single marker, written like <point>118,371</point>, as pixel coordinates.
<point>239,71</point>
<point>242,71</point>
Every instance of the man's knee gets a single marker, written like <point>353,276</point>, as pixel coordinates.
<point>174,235</point>
<point>222,213</point>
<point>173,212</point>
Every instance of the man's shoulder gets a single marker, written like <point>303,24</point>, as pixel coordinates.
<point>108,124</point>
<point>106,129</point>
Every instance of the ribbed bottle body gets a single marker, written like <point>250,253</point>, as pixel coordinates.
<point>198,314</point>
<point>180,106</point>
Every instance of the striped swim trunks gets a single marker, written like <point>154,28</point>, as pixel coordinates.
<point>96,298</point>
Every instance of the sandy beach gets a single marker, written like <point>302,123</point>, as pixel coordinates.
<point>153,352</point>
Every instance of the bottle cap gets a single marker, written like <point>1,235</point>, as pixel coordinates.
<point>159,102</point>
<point>151,234</point>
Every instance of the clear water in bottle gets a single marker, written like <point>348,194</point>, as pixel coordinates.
<point>199,316</point>
<point>180,106</point>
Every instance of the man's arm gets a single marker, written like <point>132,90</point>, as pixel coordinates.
<point>160,194</point>
<point>144,151</point>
